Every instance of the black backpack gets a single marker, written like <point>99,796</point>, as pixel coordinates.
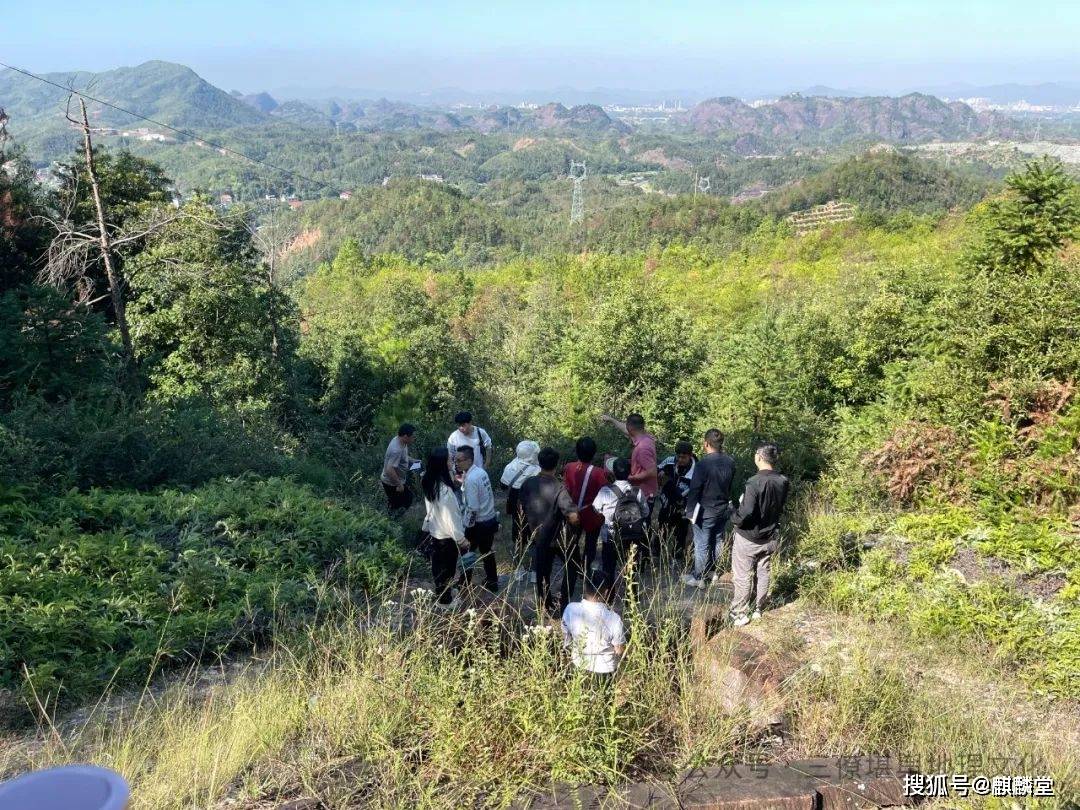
<point>629,519</point>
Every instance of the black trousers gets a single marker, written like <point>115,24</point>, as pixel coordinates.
<point>481,537</point>
<point>519,530</point>
<point>397,501</point>
<point>675,528</point>
<point>591,539</point>
<point>614,557</point>
<point>566,547</point>
<point>444,564</point>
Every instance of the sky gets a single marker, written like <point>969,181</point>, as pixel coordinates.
<point>689,47</point>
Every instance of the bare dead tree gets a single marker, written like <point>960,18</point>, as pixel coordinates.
<point>112,272</point>
<point>3,135</point>
<point>73,251</point>
<point>271,239</point>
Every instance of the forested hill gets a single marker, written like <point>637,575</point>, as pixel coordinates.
<point>167,92</point>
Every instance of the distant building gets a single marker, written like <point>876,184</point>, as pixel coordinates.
<point>434,178</point>
<point>345,195</point>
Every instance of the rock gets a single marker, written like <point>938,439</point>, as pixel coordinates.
<point>746,787</point>
<point>564,796</point>
<point>741,673</point>
<point>855,782</point>
<point>706,621</point>
<point>811,784</point>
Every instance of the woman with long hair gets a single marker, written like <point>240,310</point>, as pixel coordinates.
<point>443,522</point>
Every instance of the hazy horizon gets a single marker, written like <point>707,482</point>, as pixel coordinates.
<point>685,51</point>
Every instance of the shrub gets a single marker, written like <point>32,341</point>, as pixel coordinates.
<point>109,584</point>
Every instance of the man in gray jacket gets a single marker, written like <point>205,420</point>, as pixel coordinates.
<point>757,533</point>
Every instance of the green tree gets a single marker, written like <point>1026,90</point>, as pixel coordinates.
<point>127,183</point>
<point>1023,229</point>
<point>203,316</point>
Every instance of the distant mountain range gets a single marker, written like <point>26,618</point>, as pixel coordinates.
<point>1051,94</point>
<point>814,119</point>
<point>175,95</point>
<point>395,115</point>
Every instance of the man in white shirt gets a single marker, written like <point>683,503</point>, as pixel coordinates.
<point>469,435</point>
<point>593,632</point>
<point>481,521</point>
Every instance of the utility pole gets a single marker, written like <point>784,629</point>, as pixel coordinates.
<point>577,201</point>
<point>116,282</point>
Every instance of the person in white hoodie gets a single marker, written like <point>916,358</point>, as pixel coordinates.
<point>443,522</point>
<point>516,473</point>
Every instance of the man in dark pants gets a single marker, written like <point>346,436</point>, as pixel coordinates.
<point>676,473</point>
<point>757,534</point>
<point>478,515</point>
<point>708,506</point>
<point>584,480</point>
<point>625,525</point>
<point>395,471</point>
<point>548,508</point>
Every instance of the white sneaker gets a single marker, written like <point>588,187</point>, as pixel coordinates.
<point>715,579</point>
<point>755,615</point>
<point>692,581</point>
<point>740,620</point>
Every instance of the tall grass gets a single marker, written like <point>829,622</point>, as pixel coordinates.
<point>401,706</point>
<point>932,710</point>
<point>398,705</point>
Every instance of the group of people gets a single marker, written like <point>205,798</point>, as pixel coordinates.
<point>602,519</point>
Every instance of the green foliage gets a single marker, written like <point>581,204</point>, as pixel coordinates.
<point>418,220</point>
<point>23,237</point>
<point>1025,228</point>
<point>933,602</point>
<point>883,183</point>
<point>108,584</point>
<point>206,321</point>
<point>48,347</point>
<point>128,184</point>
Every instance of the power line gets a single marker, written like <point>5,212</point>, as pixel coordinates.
<point>185,132</point>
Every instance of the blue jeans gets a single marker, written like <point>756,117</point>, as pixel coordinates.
<point>709,541</point>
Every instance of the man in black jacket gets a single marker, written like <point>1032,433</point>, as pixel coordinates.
<point>708,505</point>
<point>676,473</point>
<point>757,533</point>
<point>548,509</point>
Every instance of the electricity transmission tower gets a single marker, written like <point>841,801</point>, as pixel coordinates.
<point>703,185</point>
<point>577,202</point>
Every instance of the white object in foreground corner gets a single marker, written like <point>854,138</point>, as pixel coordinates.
<point>71,787</point>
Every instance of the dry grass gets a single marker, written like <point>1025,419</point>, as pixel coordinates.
<point>400,706</point>
<point>404,707</point>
